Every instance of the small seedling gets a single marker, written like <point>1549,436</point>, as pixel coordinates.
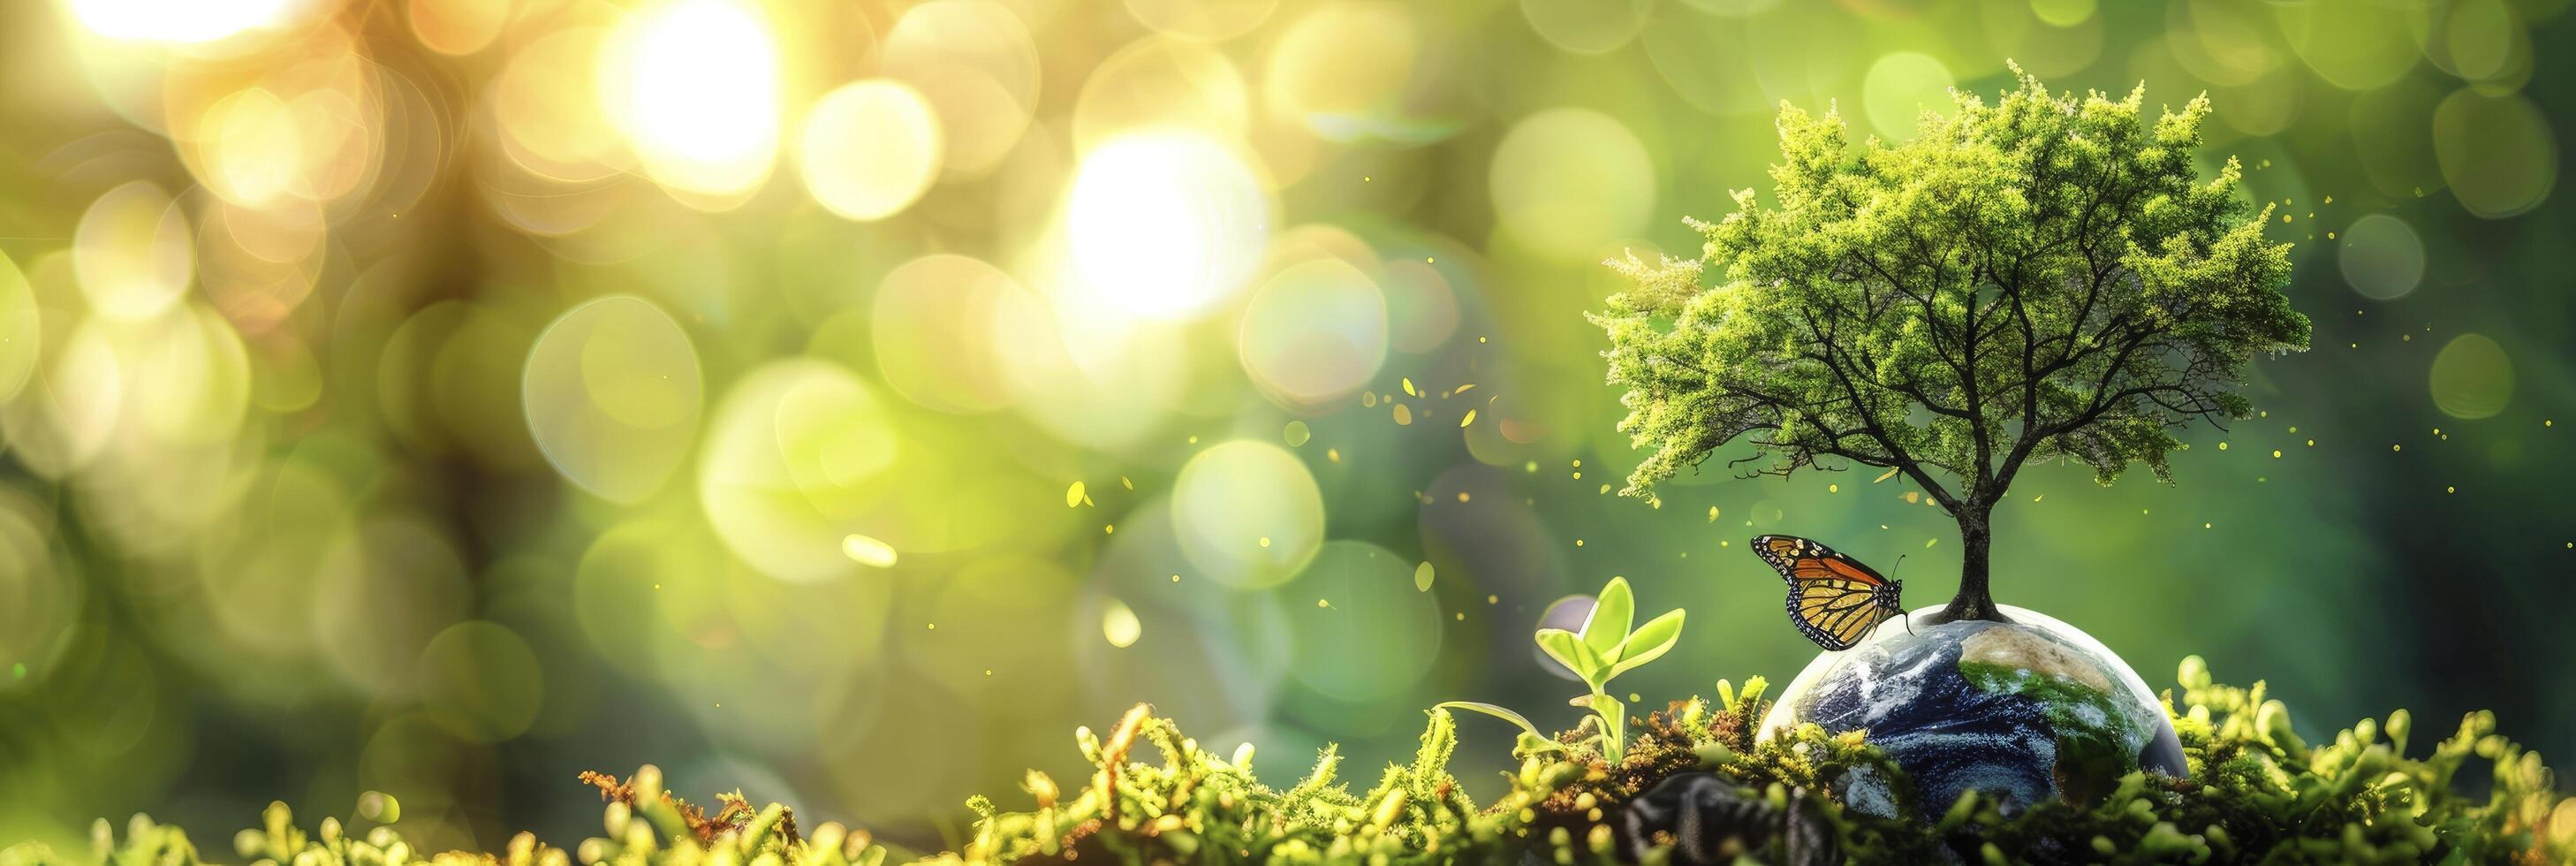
<point>1606,647</point>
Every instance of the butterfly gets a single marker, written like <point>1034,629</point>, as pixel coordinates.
<point>1833,599</point>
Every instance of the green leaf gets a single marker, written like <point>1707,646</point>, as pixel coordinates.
<point>1648,643</point>
<point>1568,649</point>
<point>1611,616</point>
<point>1498,712</point>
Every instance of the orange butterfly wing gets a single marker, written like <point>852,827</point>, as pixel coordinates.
<point>1800,559</point>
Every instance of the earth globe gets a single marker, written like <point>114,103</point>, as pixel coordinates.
<point>2024,711</point>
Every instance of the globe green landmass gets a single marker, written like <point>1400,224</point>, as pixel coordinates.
<point>2095,735</point>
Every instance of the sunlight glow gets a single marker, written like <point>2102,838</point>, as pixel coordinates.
<point>1166,223</point>
<point>694,86</point>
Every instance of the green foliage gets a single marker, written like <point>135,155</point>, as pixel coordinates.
<point>644,827</point>
<point>2044,278</point>
<point>2258,793</point>
<point>1605,648</point>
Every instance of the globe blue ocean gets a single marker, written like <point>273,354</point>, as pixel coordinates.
<point>2026,711</point>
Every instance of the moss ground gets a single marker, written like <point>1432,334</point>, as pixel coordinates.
<point>2258,794</point>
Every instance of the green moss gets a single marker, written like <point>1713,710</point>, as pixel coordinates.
<point>2258,793</point>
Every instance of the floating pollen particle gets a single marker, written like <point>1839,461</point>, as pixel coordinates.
<point>1119,624</point>
<point>868,551</point>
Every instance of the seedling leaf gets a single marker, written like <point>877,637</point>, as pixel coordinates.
<point>1648,642</point>
<point>1568,649</point>
<point>1611,616</point>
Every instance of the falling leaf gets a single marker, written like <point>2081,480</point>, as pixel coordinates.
<point>1464,388</point>
<point>1890,473</point>
<point>1408,388</point>
<point>1118,623</point>
<point>1073,495</point>
<point>1123,482</point>
<point>1470,419</point>
<point>868,551</point>
<point>1712,514</point>
<point>1422,577</point>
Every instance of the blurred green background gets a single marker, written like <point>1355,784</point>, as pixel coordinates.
<point>844,401</point>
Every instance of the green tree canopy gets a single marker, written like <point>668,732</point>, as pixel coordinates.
<point>2040,279</point>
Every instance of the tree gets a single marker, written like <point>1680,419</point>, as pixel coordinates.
<point>2042,279</point>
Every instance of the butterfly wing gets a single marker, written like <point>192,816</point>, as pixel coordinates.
<point>1835,613</point>
<point>1833,599</point>
<point>1800,559</point>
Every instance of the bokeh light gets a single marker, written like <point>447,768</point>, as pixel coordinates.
<point>694,86</point>
<point>869,149</point>
<point>2497,152</point>
<point>978,66</point>
<point>1568,207</point>
<point>1900,87</point>
<point>2472,377</point>
<point>1341,67</point>
<point>134,252</point>
<point>22,333</point>
<point>612,391</point>
<point>1166,224</point>
<point>1367,635</point>
<point>1201,20</point>
<point>1162,81</point>
<point>482,681</point>
<point>2381,257</point>
<point>1586,28</point>
<point>942,326</point>
<point>177,20</point>
<point>1247,513</point>
<point>788,465</point>
<point>1314,333</point>
<point>457,26</point>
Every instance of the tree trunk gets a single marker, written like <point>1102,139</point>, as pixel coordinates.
<point>1977,535</point>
